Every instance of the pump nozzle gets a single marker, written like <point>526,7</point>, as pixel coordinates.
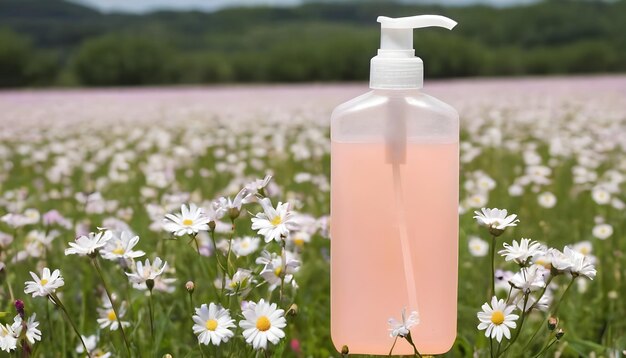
<point>395,66</point>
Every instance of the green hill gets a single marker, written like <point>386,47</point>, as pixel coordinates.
<point>52,42</point>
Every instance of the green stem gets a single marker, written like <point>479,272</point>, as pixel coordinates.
<point>542,352</point>
<point>53,297</point>
<point>493,265</point>
<point>393,345</point>
<point>543,323</point>
<point>410,340</point>
<point>151,316</point>
<point>558,304</point>
<point>108,292</point>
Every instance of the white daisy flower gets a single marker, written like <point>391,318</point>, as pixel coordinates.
<point>559,261</point>
<point>584,247</point>
<point>8,338</point>
<point>277,267</point>
<point>143,272</point>
<point>108,318</point>
<point>190,221</point>
<point>495,219</point>
<point>602,231</point>
<point>212,324</point>
<point>46,285</point>
<point>581,265</point>
<point>239,283</point>
<point>522,251</point>
<point>89,245</point>
<point>402,328</point>
<point>497,319</point>
<point>530,279</point>
<point>233,207</point>
<point>546,200</point>
<point>257,186</point>
<point>245,246</point>
<point>299,238</point>
<point>478,247</point>
<point>600,195</point>
<point>91,342</point>
<point>121,247</point>
<point>272,223</point>
<point>263,322</point>
<point>33,334</point>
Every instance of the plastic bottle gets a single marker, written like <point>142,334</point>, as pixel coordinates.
<point>394,204</point>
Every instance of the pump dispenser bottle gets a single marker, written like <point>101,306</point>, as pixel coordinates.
<point>394,204</point>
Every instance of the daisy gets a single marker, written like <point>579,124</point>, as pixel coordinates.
<point>143,272</point>
<point>402,328</point>
<point>258,185</point>
<point>495,219</point>
<point>581,264</point>
<point>121,247</point>
<point>546,200</point>
<point>602,231</point>
<point>522,251</point>
<point>108,318</point>
<point>33,334</point>
<point>558,261</point>
<point>272,223</point>
<point>190,221</point>
<point>91,342</point>
<point>278,267</point>
<point>263,322</point>
<point>212,324</point>
<point>46,285</point>
<point>245,246</point>
<point>233,207</point>
<point>240,282</point>
<point>299,238</point>
<point>600,195</point>
<point>497,319</point>
<point>88,245</point>
<point>478,247</point>
<point>8,338</point>
<point>530,279</point>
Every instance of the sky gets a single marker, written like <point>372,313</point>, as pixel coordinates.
<point>143,6</point>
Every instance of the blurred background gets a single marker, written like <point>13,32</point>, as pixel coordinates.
<point>156,42</point>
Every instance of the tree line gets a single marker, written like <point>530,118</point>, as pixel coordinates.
<point>56,43</point>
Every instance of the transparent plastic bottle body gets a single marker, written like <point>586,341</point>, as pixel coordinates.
<point>394,220</point>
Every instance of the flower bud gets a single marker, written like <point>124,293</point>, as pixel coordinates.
<point>233,213</point>
<point>560,333</point>
<point>190,286</point>
<point>552,322</point>
<point>345,351</point>
<point>150,284</point>
<point>19,307</point>
<point>293,310</point>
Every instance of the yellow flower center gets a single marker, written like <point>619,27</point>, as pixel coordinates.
<point>245,244</point>
<point>276,221</point>
<point>497,317</point>
<point>119,251</point>
<point>211,325</point>
<point>111,315</point>
<point>278,271</point>
<point>263,323</point>
<point>187,222</point>
<point>298,241</point>
<point>584,251</point>
<point>44,281</point>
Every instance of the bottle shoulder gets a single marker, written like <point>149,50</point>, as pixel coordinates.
<point>376,99</point>
<point>367,116</point>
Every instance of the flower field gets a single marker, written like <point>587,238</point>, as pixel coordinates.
<point>194,221</point>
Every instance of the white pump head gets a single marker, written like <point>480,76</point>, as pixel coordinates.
<point>395,66</point>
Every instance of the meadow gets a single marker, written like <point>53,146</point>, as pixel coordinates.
<point>551,150</point>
